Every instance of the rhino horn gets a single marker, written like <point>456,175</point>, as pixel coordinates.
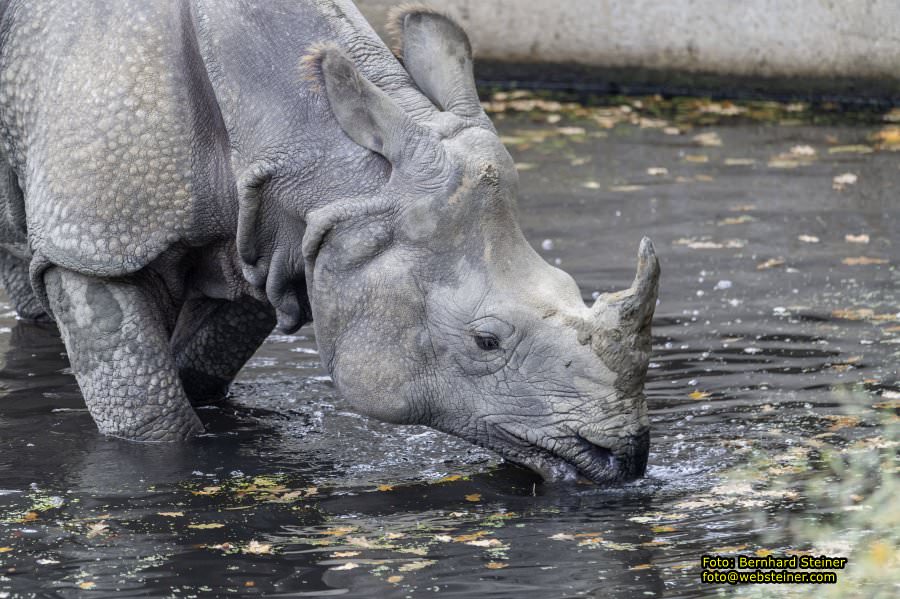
<point>620,322</point>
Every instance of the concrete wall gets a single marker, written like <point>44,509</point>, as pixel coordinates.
<point>816,39</point>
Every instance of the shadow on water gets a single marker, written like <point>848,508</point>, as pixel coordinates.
<point>759,338</point>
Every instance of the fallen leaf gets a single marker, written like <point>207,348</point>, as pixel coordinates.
<point>338,531</point>
<point>473,497</point>
<point>770,263</point>
<point>208,491</point>
<point>385,488</point>
<point>256,548</point>
<point>207,525</point>
<point>97,529</point>
<point>170,514</point>
<point>808,238</point>
<point>413,566</point>
<point>485,543</point>
<point>562,536</point>
<point>763,552</point>
<point>698,394</point>
<point>347,566</point>
<point>470,537</point>
<point>451,478</point>
<point>395,579</point>
<point>641,567</point>
<point>5,549</point>
<point>591,185</point>
<point>345,554</point>
<point>803,150</point>
<point>861,238</point>
<point>852,149</point>
<point>495,565</point>
<point>710,139</point>
<point>30,516</point>
<point>443,538</point>
<point>394,535</point>
<point>663,528</point>
<point>571,130</point>
<point>840,182</point>
<point>704,243</point>
<point>657,171</point>
<point>840,422</point>
<point>862,261</point>
<point>736,220</point>
<point>87,585</point>
<point>739,161</point>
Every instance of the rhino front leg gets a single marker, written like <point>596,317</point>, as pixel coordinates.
<point>117,336</point>
<point>16,282</point>
<point>213,340</point>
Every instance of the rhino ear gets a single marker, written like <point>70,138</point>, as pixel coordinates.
<point>269,256</point>
<point>371,118</point>
<point>438,56</point>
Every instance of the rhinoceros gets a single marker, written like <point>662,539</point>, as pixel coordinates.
<point>183,176</point>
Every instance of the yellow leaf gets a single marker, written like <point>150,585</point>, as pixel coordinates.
<point>862,261</point>
<point>412,566</point>
<point>395,579</point>
<point>469,537</point>
<point>87,585</point>
<point>208,491</point>
<point>763,552</point>
<point>385,488</point>
<point>340,531</point>
<point>207,525</point>
<point>698,395</point>
<point>170,514</point>
<point>449,479</point>
<point>641,567</point>
<point>881,553</point>
<point>473,497</point>
<point>30,516</point>
<point>5,549</point>
<point>736,220</point>
<point>770,263</point>
<point>345,554</point>
<point>347,566</point>
<point>663,528</point>
<point>495,565</point>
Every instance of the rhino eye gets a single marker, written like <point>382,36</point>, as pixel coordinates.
<point>487,342</point>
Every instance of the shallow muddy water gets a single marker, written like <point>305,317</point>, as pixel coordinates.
<point>775,333</point>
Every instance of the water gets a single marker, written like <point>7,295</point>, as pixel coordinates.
<point>763,341</point>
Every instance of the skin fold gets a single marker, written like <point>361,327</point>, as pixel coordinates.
<point>180,177</point>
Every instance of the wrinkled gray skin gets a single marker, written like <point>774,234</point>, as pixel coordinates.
<point>183,174</point>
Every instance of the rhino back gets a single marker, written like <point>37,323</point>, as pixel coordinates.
<point>106,123</point>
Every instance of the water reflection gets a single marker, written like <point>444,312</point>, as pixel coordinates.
<point>759,339</point>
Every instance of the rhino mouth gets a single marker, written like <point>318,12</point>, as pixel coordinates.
<point>562,459</point>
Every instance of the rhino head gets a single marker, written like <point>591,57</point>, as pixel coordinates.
<point>429,305</point>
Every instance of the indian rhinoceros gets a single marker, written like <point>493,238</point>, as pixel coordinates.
<point>181,176</point>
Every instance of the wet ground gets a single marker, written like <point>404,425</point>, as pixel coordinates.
<point>776,345</point>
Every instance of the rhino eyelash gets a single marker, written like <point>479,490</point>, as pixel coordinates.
<point>487,342</point>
